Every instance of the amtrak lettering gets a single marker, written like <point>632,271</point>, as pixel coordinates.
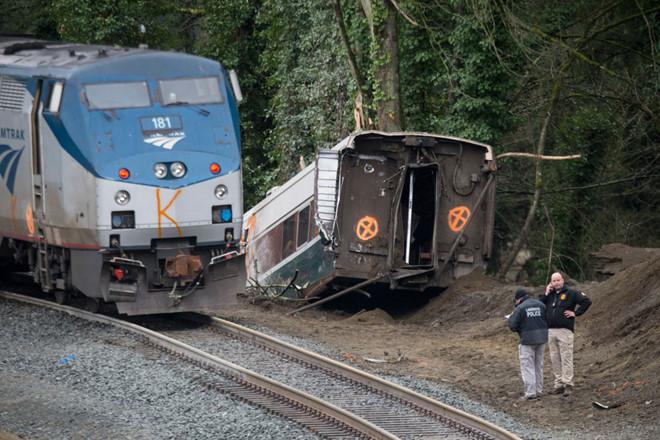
<point>12,133</point>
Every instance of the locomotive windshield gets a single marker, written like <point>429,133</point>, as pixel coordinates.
<point>190,91</point>
<point>109,96</point>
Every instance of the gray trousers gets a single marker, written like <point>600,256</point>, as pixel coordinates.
<point>531,367</point>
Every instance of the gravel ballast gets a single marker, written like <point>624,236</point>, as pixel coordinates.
<point>444,394</point>
<point>64,378</point>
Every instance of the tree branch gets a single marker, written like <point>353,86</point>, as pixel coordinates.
<point>406,16</point>
<point>576,188</point>
<point>574,51</point>
<point>539,156</point>
<point>538,180</point>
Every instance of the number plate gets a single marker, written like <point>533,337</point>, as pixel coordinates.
<point>161,123</point>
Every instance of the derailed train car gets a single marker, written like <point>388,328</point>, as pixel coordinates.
<point>120,175</point>
<point>400,211</point>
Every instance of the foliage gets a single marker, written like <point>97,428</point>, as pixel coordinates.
<point>479,81</point>
<point>479,69</point>
<point>308,78</point>
<point>603,55</point>
<point>228,32</point>
<point>28,17</point>
<point>120,21</point>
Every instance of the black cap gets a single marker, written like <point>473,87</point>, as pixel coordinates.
<point>521,293</point>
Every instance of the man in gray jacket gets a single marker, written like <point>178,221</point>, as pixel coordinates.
<point>529,320</point>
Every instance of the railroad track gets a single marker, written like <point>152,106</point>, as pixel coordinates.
<point>399,410</point>
<point>330,398</point>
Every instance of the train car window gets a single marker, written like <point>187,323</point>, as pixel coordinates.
<point>268,249</point>
<point>55,98</point>
<point>110,96</point>
<point>303,226</point>
<point>289,236</point>
<point>190,91</point>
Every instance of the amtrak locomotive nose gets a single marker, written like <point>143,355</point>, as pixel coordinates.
<point>130,170</point>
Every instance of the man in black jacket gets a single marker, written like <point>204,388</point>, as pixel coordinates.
<point>528,319</point>
<point>561,303</point>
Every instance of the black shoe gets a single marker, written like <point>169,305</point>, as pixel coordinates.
<point>525,398</point>
<point>567,391</point>
<point>559,390</point>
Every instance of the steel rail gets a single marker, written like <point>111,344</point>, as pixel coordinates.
<point>404,394</point>
<point>257,382</point>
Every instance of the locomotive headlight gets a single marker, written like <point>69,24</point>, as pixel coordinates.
<point>178,169</point>
<point>160,170</point>
<point>221,191</point>
<point>122,197</point>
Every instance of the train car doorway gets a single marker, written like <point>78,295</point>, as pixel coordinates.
<point>417,212</point>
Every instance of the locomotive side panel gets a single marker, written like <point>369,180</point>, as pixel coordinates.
<point>69,210</point>
<point>15,159</point>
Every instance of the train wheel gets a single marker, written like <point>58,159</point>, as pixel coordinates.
<point>62,296</point>
<point>92,305</point>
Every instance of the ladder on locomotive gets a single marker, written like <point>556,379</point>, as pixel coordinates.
<point>42,263</point>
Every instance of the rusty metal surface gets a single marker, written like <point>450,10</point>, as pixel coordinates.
<point>372,228</point>
<point>183,267</point>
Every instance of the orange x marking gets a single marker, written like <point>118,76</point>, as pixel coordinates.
<point>366,228</point>
<point>458,218</point>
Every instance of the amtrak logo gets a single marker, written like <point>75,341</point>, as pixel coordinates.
<point>167,142</point>
<point>9,159</point>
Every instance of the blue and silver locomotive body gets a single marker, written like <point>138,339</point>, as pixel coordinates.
<point>121,174</point>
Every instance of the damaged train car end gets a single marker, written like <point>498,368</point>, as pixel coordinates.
<point>397,211</point>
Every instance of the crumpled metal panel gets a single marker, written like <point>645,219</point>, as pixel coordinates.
<point>327,165</point>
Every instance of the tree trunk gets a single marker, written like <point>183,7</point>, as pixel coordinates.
<point>538,181</point>
<point>389,105</point>
<point>361,102</point>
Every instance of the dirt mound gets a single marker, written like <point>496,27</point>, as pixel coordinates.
<point>375,316</point>
<point>475,296</point>
<point>614,257</point>
<point>624,328</point>
<point>628,302</point>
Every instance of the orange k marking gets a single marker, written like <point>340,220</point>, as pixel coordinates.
<point>163,212</point>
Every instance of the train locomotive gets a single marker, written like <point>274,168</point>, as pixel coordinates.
<point>395,212</point>
<point>121,175</point>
